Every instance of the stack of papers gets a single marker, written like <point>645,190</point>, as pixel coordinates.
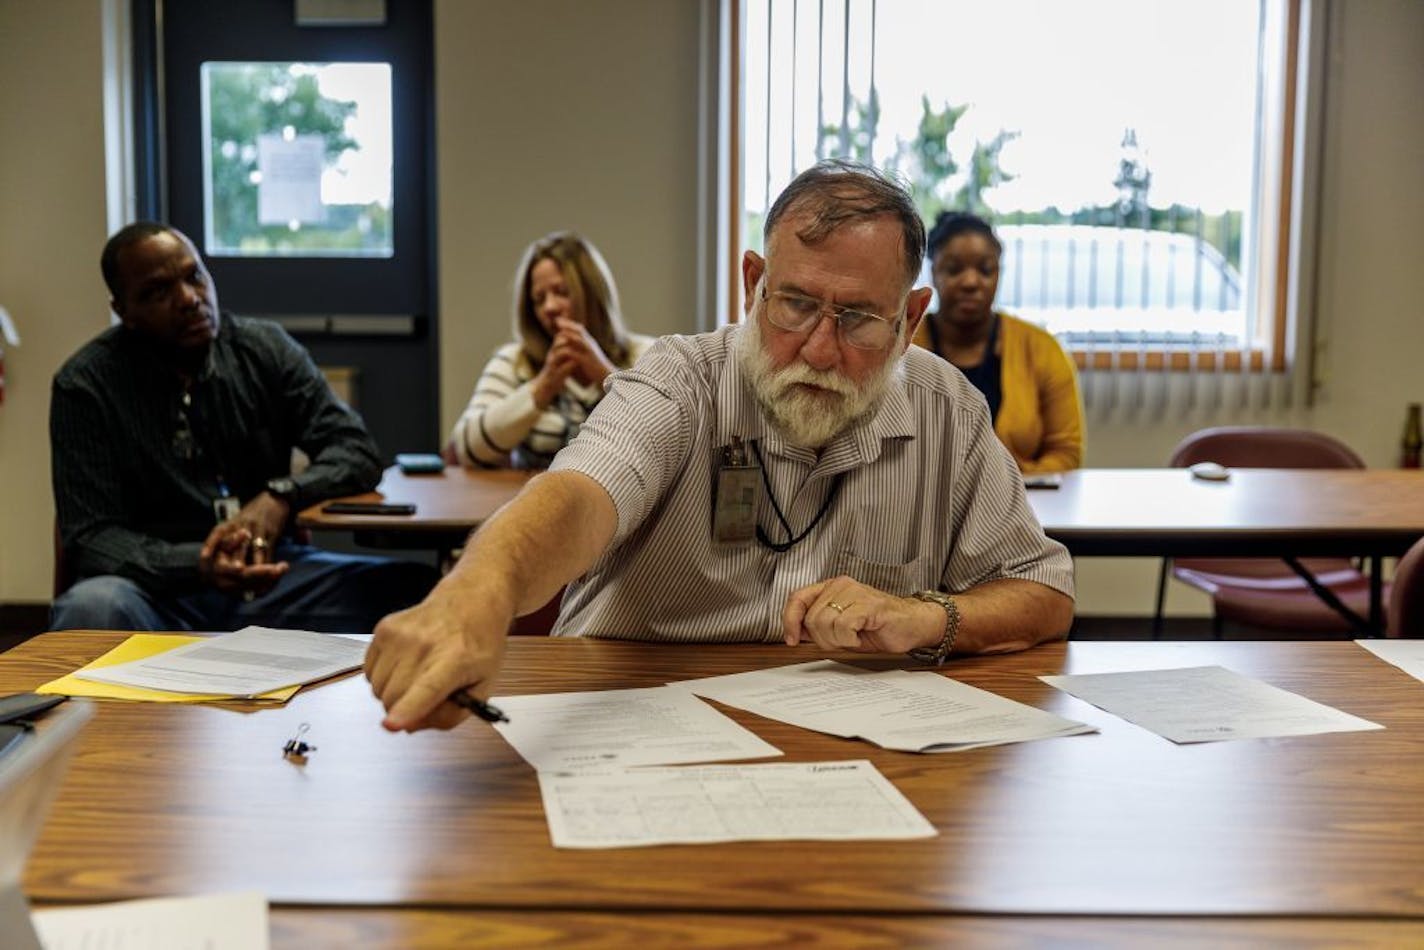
<point>895,709</point>
<point>595,752</point>
<point>137,647</point>
<point>1206,704</point>
<point>1408,655</point>
<point>821,801</point>
<point>253,663</point>
<point>623,727</point>
<point>211,921</point>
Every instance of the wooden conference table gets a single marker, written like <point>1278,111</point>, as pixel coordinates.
<point>1292,513</point>
<point>448,506</point>
<point>1138,512</point>
<point>1121,837</point>
<point>1287,513</point>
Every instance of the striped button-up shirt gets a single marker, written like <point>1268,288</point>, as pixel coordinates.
<point>929,499</point>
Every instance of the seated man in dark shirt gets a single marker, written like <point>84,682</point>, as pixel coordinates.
<point>172,435</point>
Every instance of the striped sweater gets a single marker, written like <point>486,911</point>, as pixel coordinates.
<point>503,428</point>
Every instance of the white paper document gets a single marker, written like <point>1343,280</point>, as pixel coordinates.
<point>1408,655</point>
<point>895,709</point>
<point>801,801</point>
<point>253,660</point>
<point>1206,704</point>
<point>207,922</point>
<point>618,727</point>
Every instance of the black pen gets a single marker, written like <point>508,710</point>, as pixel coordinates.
<point>478,706</point>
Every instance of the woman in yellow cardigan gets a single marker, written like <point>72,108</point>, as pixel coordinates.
<point>1027,379</point>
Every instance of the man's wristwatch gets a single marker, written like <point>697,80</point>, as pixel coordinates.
<point>284,488</point>
<point>935,656</point>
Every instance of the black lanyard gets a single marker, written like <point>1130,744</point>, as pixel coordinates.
<point>780,546</point>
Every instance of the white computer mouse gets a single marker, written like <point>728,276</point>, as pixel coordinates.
<point>1210,471</point>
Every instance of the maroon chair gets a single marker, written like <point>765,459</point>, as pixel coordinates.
<point>1266,592</point>
<point>1406,596</point>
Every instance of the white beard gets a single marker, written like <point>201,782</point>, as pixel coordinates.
<point>805,417</point>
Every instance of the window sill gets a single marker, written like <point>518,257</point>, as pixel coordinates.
<point>1159,360</point>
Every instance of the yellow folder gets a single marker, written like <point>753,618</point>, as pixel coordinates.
<point>138,647</point>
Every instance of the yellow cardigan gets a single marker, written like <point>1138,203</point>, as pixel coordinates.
<point>1041,416</point>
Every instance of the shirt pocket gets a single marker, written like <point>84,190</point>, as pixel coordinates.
<point>901,580</point>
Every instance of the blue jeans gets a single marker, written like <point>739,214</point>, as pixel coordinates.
<point>322,590</point>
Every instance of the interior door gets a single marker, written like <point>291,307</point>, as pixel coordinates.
<point>295,148</point>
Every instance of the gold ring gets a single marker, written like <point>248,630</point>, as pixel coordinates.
<point>259,543</point>
<point>835,606</point>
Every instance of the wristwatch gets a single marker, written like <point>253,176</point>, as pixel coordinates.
<point>936,655</point>
<point>284,488</point>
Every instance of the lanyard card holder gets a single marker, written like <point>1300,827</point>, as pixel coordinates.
<point>735,496</point>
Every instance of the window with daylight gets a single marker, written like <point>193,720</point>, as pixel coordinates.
<point>1134,156</point>
<point>297,159</point>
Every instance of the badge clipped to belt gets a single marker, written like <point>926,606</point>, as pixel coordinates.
<point>736,495</point>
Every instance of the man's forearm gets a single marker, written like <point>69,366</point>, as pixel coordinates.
<point>549,535</point>
<point>158,566</point>
<point>1010,614</point>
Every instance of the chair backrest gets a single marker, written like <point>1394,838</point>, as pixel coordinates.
<point>1406,595</point>
<point>1264,447</point>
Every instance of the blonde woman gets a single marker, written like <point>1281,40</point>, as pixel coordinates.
<point>535,393</point>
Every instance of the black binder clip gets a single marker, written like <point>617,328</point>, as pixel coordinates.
<point>295,747</point>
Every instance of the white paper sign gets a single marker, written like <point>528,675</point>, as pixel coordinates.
<point>290,187</point>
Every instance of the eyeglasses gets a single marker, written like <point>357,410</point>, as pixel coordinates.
<point>796,313</point>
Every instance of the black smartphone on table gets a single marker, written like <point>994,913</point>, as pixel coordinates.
<point>367,508</point>
<point>420,463</point>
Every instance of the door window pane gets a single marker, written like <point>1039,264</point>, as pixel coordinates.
<point>297,159</point>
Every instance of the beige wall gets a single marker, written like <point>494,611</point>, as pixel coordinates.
<point>52,227</point>
<point>561,113</point>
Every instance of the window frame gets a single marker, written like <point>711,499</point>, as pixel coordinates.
<point>1283,209</point>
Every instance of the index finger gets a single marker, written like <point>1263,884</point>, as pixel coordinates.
<point>411,708</point>
<point>792,615</point>
<point>215,537</point>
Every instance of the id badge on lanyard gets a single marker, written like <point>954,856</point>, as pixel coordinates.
<point>735,496</point>
<point>225,506</point>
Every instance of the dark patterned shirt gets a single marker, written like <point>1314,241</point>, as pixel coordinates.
<point>139,456</point>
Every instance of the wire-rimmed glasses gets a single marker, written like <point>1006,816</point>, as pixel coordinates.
<point>797,313</point>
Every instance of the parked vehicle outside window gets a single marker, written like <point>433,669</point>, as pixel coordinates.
<point>1101,284</point>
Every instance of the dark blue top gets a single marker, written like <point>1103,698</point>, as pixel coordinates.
<point>987,377</point>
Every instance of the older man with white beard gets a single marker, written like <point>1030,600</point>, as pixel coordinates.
<point>806,476</point>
